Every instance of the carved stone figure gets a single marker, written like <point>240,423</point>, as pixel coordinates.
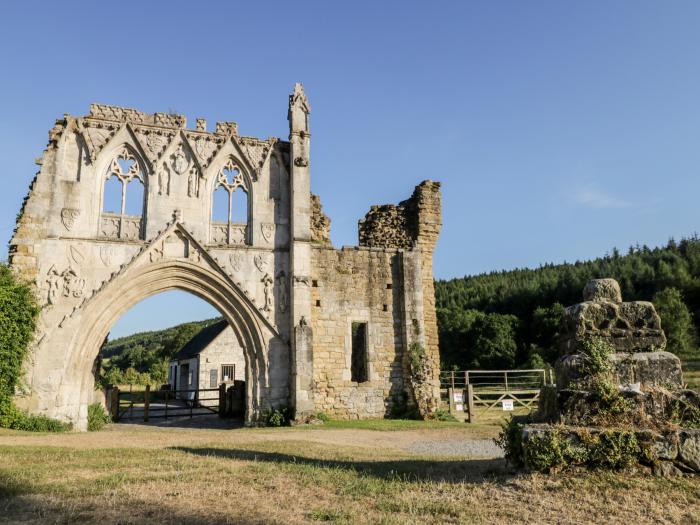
<point>164,181</point>
<point>267,290</point>
<point>193,184</point>
<point>282,286</point>
<point>53,279</point>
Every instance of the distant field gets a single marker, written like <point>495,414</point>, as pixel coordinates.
<point>691,374</point>
<point>343,473</point>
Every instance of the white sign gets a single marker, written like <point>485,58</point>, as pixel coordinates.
<point>459,407</point>
<point>458,397</point>
<point>507,404</point>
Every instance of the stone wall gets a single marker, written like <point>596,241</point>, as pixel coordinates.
<point>356,285</point>
<point>414,223</point>
<point>223,350</point>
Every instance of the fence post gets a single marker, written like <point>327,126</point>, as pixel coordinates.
<point>222,399</point>
<point>146,402</point>
<point>114,403</point>
<point>452,379</point>
<point>451,399</point>
<point>470,403</point>
<point>506,377</point>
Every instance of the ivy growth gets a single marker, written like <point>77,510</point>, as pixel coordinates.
<point>18,312</point>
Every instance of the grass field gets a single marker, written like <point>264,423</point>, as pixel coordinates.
<point>337,473</point>
<point>691,374</point>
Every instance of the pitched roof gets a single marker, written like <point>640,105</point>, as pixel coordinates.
<point>200,341</point>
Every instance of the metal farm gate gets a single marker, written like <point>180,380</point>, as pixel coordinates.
<point>474,393</point>
<point>147,404</point>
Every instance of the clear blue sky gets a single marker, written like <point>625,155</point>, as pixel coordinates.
<point>558,129</point>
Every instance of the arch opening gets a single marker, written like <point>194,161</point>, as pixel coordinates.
<point>184,351</point>
<point>87,332</point>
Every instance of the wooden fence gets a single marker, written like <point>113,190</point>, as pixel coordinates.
<point>473,393</point>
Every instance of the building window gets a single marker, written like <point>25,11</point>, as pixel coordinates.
<point>213,378</point>
<point>358,362</point>
<point>230,207</point>
<point>228,372</point>
<point>123,197</point>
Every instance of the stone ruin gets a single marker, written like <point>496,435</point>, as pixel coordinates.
<point>322,329</point>
<point>619,399</point>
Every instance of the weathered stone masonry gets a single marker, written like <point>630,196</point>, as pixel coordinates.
<point>289,297</point>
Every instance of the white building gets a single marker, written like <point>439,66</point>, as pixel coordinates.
<point>213,356</point>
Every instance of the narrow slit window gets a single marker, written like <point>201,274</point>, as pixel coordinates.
<point>358,363</point>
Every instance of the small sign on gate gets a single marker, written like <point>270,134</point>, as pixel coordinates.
<point>458,397</point>
<point>459,407</point>
<point>507,404</point>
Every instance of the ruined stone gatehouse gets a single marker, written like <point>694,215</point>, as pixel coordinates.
<point>350,332</point>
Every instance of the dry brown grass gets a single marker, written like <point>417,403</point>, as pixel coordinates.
<point>131,474</point>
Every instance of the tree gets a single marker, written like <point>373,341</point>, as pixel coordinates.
<point>494,344</point>
<point>677,322</point>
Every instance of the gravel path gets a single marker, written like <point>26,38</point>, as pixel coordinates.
<point>474,448</point>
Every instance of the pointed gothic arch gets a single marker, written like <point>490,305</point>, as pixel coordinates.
<point>125,165</point>
<point>233,178</point>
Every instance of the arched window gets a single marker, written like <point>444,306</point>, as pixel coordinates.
<point>123,197</point>
<point>230,213</point>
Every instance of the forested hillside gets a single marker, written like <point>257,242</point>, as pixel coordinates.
<point>142,358</point>
<point>511,318</point>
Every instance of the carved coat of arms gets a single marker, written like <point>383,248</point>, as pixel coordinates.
<point>69,216</point>
<point>180,162</point>
<point>267,229</point>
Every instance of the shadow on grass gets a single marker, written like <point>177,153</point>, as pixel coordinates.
<point>454,471</point>
<point>22,503</point>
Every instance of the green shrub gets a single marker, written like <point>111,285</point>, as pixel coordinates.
<point>442,414</point>
<point>596,354</point>
<point>510,440</point>
<point>97,417</point>
<point>322,416</point>
<point>13,418</point>
<point>276,417</point>
<point>614,449</point>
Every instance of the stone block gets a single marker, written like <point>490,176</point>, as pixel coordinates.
<point>689,448</point>
<point>648,369</point>
<point>602,290</point>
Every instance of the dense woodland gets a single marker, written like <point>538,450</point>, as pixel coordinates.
<point>511,318</point>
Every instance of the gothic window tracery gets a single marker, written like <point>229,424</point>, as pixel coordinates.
<point>123,196</point>
<point>230,214</point>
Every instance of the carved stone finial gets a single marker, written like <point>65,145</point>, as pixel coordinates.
<point>602,290</point>
<point>201,124</point>
<point>177,215</point>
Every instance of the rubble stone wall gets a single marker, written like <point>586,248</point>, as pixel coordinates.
<point>357,285</point>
